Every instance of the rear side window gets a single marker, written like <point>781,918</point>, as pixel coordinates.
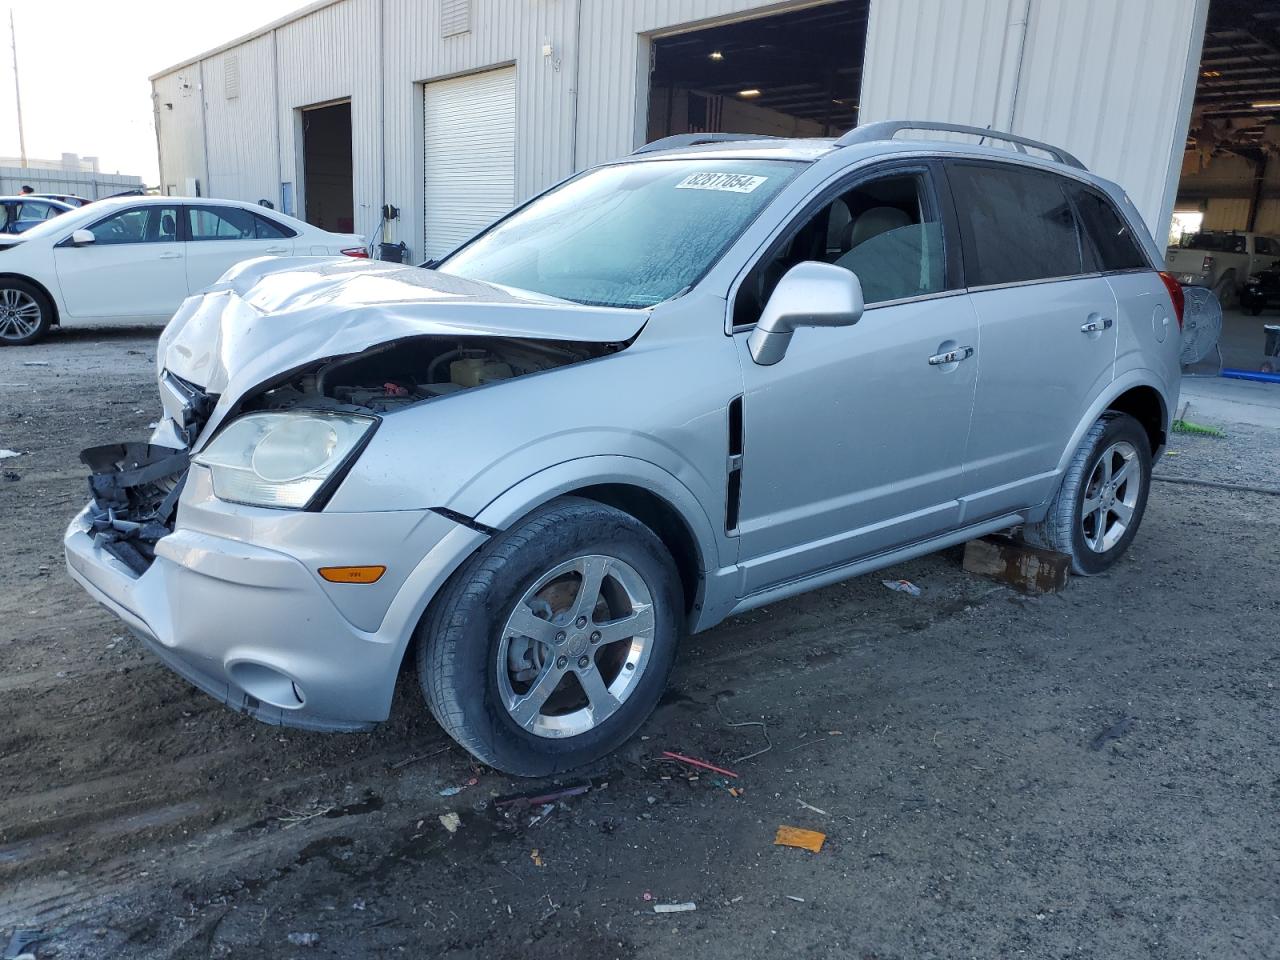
<point>1016,225</point>
<point>270,230</point>
<point>1116,246</point>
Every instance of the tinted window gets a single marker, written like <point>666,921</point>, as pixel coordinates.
<point>270,230</point>
<point>1116,246</point>
<point>1016,225</point>
<point>138,225</point>
<point>222,223</point>
<point>1224,242</point>
<point>1263,245</point>
<point>884,230</point>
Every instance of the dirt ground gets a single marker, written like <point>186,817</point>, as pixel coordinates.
<point>1091,774</point>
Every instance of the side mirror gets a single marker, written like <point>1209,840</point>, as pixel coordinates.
<point>810,294</point>
<point>81,237</point>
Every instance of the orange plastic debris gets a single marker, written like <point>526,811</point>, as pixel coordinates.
<point>810,840</point>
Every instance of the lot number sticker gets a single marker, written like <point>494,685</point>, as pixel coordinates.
<point>732,182</point>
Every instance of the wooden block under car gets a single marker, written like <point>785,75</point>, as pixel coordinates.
<point>1025,568</point>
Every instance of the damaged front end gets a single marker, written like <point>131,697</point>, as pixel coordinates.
<point>134,487</point>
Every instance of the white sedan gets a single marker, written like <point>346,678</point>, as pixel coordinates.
<point>138,258</point>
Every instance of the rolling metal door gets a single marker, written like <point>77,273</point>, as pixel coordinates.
<point>469,131</point>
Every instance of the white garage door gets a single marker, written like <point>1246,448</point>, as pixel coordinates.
<point>470,132</point>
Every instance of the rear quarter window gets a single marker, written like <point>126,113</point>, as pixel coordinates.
<point>1114,244</point>
<point>1016,225</point>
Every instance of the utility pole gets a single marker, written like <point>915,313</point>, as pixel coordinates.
<point>13,44</point>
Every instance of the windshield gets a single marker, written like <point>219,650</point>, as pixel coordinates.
<point>629,235</point>
<point>1225,242</point>
<point>68,221</point>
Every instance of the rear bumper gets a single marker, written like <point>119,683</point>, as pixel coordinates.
<point>233,603</point>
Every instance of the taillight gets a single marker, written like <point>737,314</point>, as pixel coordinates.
<point>360,253</point>
<point>1175,294</point>
<point>1207,265</point>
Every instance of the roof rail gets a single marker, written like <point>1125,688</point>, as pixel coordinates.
<point>694,139</point>
<point>887,129</point>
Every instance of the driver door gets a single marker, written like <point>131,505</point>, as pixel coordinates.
<point>854,442</point>
<point>134,267</point>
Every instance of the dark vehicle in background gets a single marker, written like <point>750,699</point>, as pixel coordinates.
<point>1262,290</point>
<point>68,198</point>
<point>18,214</point>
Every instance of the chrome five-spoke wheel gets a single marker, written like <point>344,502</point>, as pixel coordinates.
<point>1111,496</point>
<point>575,646</point>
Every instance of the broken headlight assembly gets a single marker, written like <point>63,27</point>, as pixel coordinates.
<point>282,459</point>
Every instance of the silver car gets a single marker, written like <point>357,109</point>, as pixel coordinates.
<point>714,374</point>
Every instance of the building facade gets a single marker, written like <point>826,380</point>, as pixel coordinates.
<point>416,121</point>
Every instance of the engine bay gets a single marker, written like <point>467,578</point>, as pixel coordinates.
<point>407,372</point>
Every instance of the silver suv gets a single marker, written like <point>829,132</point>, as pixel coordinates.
<point>671,389</point>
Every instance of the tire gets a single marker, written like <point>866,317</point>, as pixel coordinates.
<point>469,645</point>
<point>1068,528</point>
<point>25,313</point>
<point>1225,291</point>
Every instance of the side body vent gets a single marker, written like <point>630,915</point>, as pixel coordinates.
<point>231,77</point>
<point>734,491</point>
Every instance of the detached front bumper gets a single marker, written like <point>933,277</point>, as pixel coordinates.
<point>234,604</point>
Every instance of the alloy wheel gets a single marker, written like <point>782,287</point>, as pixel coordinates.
<point>575,646</point>
<point>19,314</point>
<point>1111,496</point>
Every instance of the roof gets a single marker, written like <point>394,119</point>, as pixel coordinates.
<point>262,31</point>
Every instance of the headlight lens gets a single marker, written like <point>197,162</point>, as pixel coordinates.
<point>280,459</point>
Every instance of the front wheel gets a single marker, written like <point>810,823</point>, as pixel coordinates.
<point>25,313</point>
<point>1096,512</point>
<point>552,645</point>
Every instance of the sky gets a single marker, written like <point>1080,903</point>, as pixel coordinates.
<point>83,69</point>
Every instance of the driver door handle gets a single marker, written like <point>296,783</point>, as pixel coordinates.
<point>1097,326</point>
<point>951,356</point>
<point>170,256</point>
<point>277,250</point>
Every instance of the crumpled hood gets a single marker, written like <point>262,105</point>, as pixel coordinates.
<point>268,316</point>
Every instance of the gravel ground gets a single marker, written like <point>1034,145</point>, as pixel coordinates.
<point>1087,774</point>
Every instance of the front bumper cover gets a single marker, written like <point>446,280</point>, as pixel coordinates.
<point>233,603</point>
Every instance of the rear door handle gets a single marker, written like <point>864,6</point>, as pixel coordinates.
<point>951,356</point>
<point>170,256</point>
<point>277,250</point>
<point>1097,325</point>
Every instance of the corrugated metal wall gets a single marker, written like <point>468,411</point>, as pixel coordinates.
<point>1110,81</point>
<point>79,183</point>
<point>1106,79</point>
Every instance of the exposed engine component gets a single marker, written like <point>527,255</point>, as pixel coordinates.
<point>407,372</point>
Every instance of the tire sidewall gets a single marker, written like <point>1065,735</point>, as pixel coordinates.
<point>1088,561</point>
<point>477,620</point>
<point>46,313</point>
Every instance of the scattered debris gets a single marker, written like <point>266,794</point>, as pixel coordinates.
<point>540,799</point>
<point>6,454</point>
<point>35,363</point>
<point>536,857</point>
<point>810,806</point>
<point>902,586</point>
<point>1113,732</point>
<point>304,939</point>
<point>647,897</point>
<point>450,821</point>
<point>735,792</point>
<point>674,907</point>
<point>810,840</point>
<point>357,904</point>
<point>546,811</point>
<point>422,756</point>
<point>693,762</point>
<point>12,475</point>
<point>23,941</point>
<point>764,731</point>
<point>454,791</point>
<point>796,899</point>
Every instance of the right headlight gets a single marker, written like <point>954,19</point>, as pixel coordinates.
<point>281,459</point>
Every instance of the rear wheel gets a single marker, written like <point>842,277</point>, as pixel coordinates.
<point>552,645</point>
<point>1096,512</point>
<point>1225,291</point>
<point>25,313</point>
